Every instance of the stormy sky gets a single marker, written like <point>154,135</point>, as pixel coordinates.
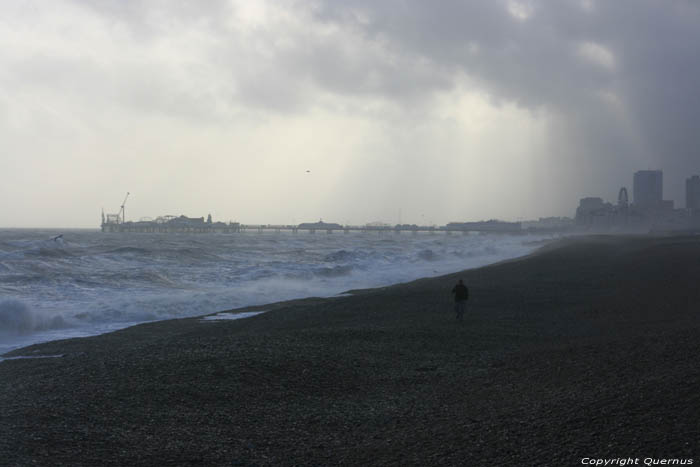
<point>288,111</point>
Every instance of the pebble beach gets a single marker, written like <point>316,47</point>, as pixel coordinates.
<point>586,350</point>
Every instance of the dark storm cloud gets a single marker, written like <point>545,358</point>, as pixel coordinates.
<point>533,61</point>
<point>621,75</point>
<point>528,61</point>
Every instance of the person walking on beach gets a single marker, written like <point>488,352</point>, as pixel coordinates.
<point>461,293</point>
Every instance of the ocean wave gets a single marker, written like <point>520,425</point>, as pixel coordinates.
<point>169,253</point>
<point>11,255</point>
<point>354,256</point>
<point>22,279</point>
<point>340,255</point>
<point>427,255</point>
<point>335,271</point>
<point>193,253</point>
<point>129,250</point>
<point>18,318</point>
<point>50,253</point>
<point>148,279</point>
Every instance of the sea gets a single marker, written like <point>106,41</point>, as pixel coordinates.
<point>74,283</point>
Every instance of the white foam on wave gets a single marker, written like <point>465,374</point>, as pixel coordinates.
<point>24,357</point>
<point>16,317</point>
<point>227,316</point>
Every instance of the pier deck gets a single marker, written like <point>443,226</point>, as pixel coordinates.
<point>231,228</point>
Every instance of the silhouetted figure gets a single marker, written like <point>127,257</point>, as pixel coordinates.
<point>461,296</point>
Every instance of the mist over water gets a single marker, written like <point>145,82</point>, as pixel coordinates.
<point>89,283</point>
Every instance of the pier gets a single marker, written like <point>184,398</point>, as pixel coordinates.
<point>117,223</point>
<point>188,225</point>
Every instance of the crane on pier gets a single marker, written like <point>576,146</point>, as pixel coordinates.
<point>122,212</point>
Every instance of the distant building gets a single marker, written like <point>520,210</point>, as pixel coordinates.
<point>692,193</point>
<point>648,189</point>
<point>187,221</point>
<point>648,212</point>
<point>548,224</point>
<point>666,205</point>
<point>593,212</point>
<point>591,204</point>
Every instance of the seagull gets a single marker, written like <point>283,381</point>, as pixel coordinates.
<point>55,239</point>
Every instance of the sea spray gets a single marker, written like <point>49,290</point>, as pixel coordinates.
<point>18,318</point>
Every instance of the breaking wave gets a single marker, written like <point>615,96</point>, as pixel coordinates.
<point>18,318</point>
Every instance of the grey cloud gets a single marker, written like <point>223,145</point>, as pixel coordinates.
<point>397,49</point>
<point>149,19</point>
<point>531,62</point>
<point>638,98</point>
<point>615,81</point>
<point>648,68</point>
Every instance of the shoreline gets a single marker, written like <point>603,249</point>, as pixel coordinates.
<point>543,244</point>
<point>582,349</point>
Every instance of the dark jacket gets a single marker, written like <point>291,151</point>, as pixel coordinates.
<point>461,292</point>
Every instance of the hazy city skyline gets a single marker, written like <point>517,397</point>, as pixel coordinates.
<point>291,110</point>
